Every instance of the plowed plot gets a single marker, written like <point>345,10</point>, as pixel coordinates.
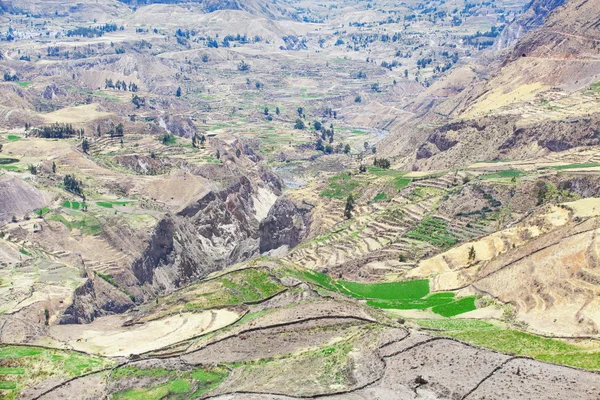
<point>271,342</point>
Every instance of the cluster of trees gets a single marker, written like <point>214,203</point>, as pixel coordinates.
<point>383,163</point>
<point>243,66</point>
<point>120,85</point>
<point>117,131</point>
<point>328,112</point>
<point>138,101</point>
<point>10,78</point>
<point>72,185</point>
<point>198,139</point>
<point>57,131</point>
<point>91,32</point>
<point>330,149</point>
<point>391,64</point>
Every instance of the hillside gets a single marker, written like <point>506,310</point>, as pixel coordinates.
<point>285,200</point>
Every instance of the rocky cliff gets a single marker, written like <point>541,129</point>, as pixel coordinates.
<point>534,16</point>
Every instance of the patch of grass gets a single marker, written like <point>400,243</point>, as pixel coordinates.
<point>434,231</point>
<point>40,212</point>
<point>401,183</point>
<point>574,166</point>
<point>380,197</point>
<point>340,186</point>
<point>13,138</point>
<point>4,161</point>
<point>509,173</point>
<point>23,83</point>
<point>18,351</point>
<point>235,288</point>
<point>524,344</point>
<point>111,204</point>
<point>7,385</point>
<point>407,290</point>
<point>88,224</point>
<point>9,168</point>
<point>74,205</point>
<point>178,386</point>
<point>457,307</point>
<point>451,324</point>
<point>419,304</point>
<point>11,371</point>
<point>107,278</point>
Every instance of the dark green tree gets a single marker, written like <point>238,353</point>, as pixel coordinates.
<point>349,207</point>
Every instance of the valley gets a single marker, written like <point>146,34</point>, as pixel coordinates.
<point>296,199</point>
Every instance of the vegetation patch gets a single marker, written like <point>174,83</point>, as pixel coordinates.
<point>579,355</point>
<point>381,197</point>
<point>73,205</point>
<point>457,307</point>
<point>111,204</point>
<point>433,230</point>
<point>13,138</point>
<point>576,166</point>
<point>23,83</point>
<point>340,186</point>
<point>24,366</point>
<point>181,384</point>
<point>5,161</point>
<point>509,173</point>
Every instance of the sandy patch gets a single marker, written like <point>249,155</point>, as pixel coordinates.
<point>75,115</point>
<point>589,207</point>
<point>106,336</point>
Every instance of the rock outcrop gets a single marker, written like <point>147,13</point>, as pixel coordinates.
<point>287,224</point>
<point>93,299</point>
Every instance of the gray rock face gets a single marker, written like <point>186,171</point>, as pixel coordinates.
<point>287,224</point>
<point>18,198</point>
<point>93,299</point>
<point>531,19</point>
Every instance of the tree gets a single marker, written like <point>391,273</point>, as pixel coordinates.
<point>0,148</point>
<point>300,111</point>
<point>317,125</point>
<point>299,124</point>
<point>238,153</point>
<point>406,73</point>
<point>178,92</point>
<point>366,146</point>
<point>277,110</point>
<point>85,146</point>
<point>33,169</point>
<point>243,66</point>
<point>319,145</point>
<point>266,110</point>
<point>357,99</point>
<point>72,184</point>
<point>53,167</point>
<point>194,140</point>
<point>472,255</point>
<point>349,207</point>
<point>347,148</point>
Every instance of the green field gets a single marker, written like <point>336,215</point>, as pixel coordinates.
<point>575,166</point>
<point>23,83</point>
<point>180,384</point>
<point>13,138</point>
<point>380,197</point>
<point>509,173</point>
<point>581,354</point>
<point>74,205</point>
<point>340,186</point>
<point>111,204</point>
<point>4,161</point>
<point>88,224</point>
<point>247,285</point>
<point>434,231</point>
<point>29,365</point>
<point>9,168</point>
<point>406,295</point>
